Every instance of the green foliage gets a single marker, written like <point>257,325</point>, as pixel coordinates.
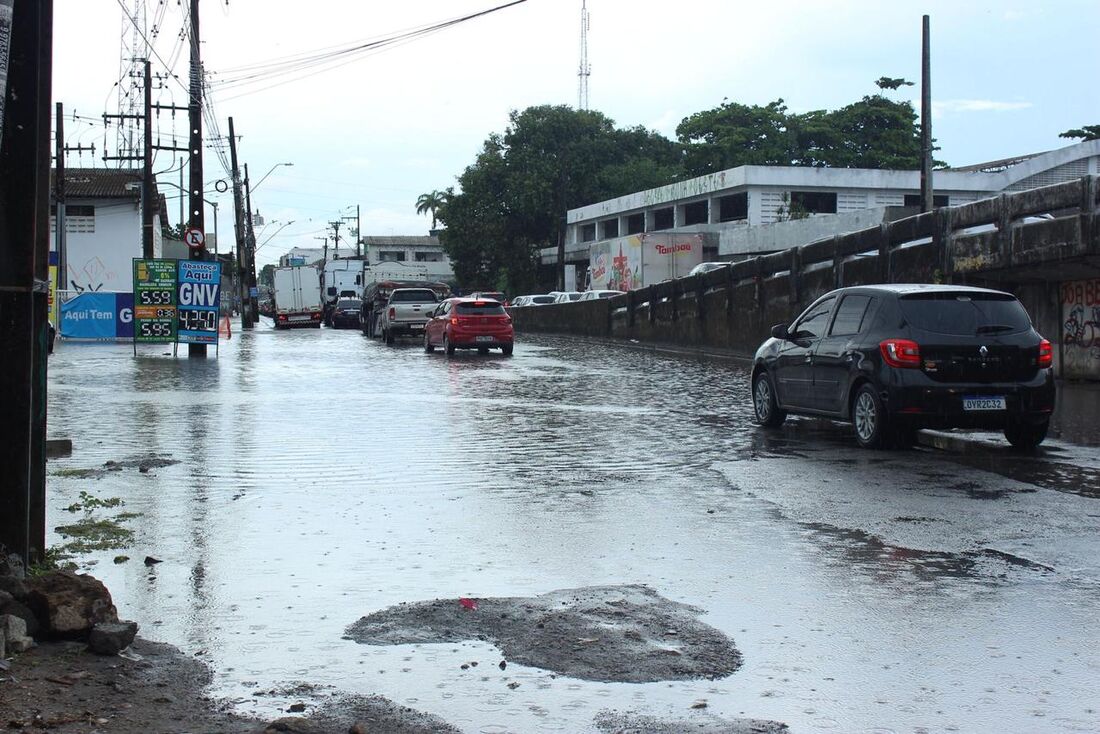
<point>890,82</point>
<point>431,202</point>
<point>1088,132</point>
<point>89,502</point>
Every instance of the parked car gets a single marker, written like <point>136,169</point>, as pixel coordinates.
<point>567,296</point>
<point>597,295</point>
<point>491,296</point>
<point>345,313</point>
<point>539,300</point>
<point>895,358</point>
<point>469,323</point>
<point>707,267</point>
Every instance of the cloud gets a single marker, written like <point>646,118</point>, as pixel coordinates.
<point>667,123</point>
<point>355,163</point>
<point>949,106</point>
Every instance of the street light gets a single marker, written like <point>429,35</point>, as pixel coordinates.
<point>257,184</point>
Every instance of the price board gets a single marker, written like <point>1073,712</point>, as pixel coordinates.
<point>198,298</point>
<point>154,301</point>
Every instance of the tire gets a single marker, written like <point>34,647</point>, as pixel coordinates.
<point>363,326</point>
<point>506,350</point>
<point>483,350</point>
<point>447,346</point>
<point>387,335</point>
<point>371,323</point>
<point>869,421</point>
<point>428,343</point>
<point>1026,436</point>
<point>765,408</point>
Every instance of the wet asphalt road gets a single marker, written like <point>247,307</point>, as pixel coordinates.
<point>324,476</point>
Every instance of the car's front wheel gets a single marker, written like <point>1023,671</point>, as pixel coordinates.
<point>1026,436</point>
<point>447,346</point>
<point>387,335</point>
<point>764,403</point>
<point>869,418</point>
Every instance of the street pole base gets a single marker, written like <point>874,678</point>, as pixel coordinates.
<point>196,351</point>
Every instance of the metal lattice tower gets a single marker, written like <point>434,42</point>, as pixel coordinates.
<point>585,69</point>
<point>131,85</point>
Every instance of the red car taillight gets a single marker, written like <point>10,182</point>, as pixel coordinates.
<point>393,314</point>
<point>282,317</point>
<point>900,353</point>
<point>1046,354</point>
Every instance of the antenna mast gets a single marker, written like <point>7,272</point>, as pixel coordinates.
<point>585,69</point>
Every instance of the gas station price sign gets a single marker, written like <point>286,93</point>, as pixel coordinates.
<point>199,298</point>
<point>155,301</point>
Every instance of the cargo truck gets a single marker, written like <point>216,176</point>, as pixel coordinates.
<point>340,279</point>
<point>297,297</point>
<point>640,260</point>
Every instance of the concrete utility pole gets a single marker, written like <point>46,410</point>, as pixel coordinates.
<point>335,237</point>
<point>238,230</point>
<point>250,253</point>
<point>324,251</point>
<point>59,202</point>
<point>147,203</point>
<point>194,117</point>
<point>26,31</point>
<point>926,199</point>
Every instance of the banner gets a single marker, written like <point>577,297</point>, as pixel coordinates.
<point>91,316</point>
<point>154,301</point>
<point>197,302</point>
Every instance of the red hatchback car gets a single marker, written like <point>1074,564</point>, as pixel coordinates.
<point>469,323</point>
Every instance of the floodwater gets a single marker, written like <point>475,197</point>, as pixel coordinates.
<point>324,476</point>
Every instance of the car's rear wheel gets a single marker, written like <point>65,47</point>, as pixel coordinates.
<point>363,326</point>
<point>1026,436</point>
<point>387,335</point>
<point>763,402</point>
<point>447,346</point>
<point>506,350</point>
<point>428,344</point>
<point>869,418</point>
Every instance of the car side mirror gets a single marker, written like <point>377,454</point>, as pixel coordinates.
<point>779,331</point>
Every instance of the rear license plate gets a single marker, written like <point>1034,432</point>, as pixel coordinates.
<point>485,339</point>
<point>302,317</point>
<point>988,402</point>
<point>417,327</point>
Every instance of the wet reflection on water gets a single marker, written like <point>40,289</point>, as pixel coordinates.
<point>324,476</point>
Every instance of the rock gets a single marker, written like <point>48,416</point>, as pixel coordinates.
<point>14,631</point>
<point>21,610</point>
<point>296,708</point>
<point>292,724</point>
<point>111,638</point>
<point>150,561</point>
<point>16,587</point>
<point>12,565</point>
<point>68,605</point>
<point>502,665</point>
<point>357,729</point>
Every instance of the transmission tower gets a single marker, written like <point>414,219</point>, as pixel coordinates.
<point>131,84</point>
<point>585,69</point>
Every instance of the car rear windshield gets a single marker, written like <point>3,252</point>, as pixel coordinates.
<point>413,296</point>
<point>481,308</point>
<point>965,314</point>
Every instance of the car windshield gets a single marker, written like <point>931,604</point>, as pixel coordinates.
<point>965,314</point>
<point>542,299</point>
<point>480,308</point>
<point>574,296</point>
<point>413,296</point>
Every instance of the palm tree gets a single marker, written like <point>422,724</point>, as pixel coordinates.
<point>431,203</point>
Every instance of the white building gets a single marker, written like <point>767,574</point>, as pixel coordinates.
<point>103,228</point>
<point>419,250</point>
<point>736,200</point>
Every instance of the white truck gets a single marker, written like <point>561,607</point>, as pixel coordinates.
<point>340,279</point>
<point>297,297</point>
<point>640,260</point>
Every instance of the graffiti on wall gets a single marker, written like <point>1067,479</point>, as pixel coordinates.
<point>1081,329</point>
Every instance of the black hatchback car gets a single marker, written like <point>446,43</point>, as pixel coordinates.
<point>895,358</point>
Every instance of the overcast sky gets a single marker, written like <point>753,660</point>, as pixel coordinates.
<point>383,128</point>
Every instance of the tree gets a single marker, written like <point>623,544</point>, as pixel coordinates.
<point>734,134</point>
<point>893,83</point>
<point>431,202</point>
<point>1086,133</point>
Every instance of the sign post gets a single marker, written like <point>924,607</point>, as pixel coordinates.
<point>154,302</point>
<point>199,300</point>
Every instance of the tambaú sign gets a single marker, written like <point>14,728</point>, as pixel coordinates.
<point>155,301</point>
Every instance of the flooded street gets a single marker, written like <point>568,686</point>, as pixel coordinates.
<point>324,477</point>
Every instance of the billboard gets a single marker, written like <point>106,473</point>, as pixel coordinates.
<point>98,316</point>
<point>154,301</point>
<point>198,299</point>
<point>640,260</point>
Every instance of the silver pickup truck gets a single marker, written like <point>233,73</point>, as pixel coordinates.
<point>406,313</point>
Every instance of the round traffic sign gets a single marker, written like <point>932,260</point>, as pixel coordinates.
<point>194,238</point>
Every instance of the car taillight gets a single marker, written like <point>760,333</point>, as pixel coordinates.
<point>393,314</point>
<point>282,317</point>
<point>1046,354</point>
<point>900,353</point>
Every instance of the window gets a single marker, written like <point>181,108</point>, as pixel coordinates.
<point>588,232</point>
<point>635,224</point>
<point>965,314</point>
<point>391,256</point>
<point>609,228</point>
<point>849,317</point>
<point>733,208</point>
<point>812,325</point>
<point>813,202</point>
<point>417,295</point>
<point>481,308</point>
<point>938,200</point>
<point>79,218</point>
<point>695,213</point>
<point>429,257</point>
<point>662,218</point>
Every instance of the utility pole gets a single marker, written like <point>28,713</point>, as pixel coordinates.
<point>926,198</point>
<point>250,256</point>
<point>147,203</point>
<point>26,33</point>
<point>358,237</point>
<point>59,202</point>
<point>194,117</point>
<point>324,252</point>
<point>238,230</point>
<point>183,218</point>
<point>336,238</point>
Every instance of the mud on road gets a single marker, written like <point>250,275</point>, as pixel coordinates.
<point>628,633</point>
